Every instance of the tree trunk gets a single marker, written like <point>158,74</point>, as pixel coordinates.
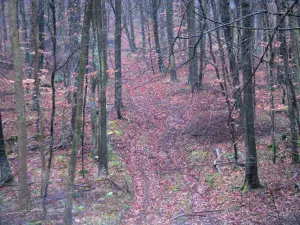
<point>228,33</point>
<point>131,23</point>
<point>192,48</point>
<point>251,176</point>
<point>41,28</point>
<point>3,18</point>
<point>170,30</point>
<point>37,95</point>
<point>79,106</point>
<point>101,27</point>
<point>156,37</point>
<point>5,171</point>
<point>143,20</point>
<point>24,31</point>
<point>291,93</point>
<point>125,24</point>
<point>203,8</point>
<point>118,63</point>
<point>24,192</point>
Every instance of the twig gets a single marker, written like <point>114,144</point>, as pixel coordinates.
<point>201,213</point>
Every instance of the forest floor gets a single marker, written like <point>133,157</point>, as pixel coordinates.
<point>163,170</point>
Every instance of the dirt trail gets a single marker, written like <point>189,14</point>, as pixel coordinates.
<point>155,150</point>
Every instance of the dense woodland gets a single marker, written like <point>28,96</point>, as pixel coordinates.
<point>149,112</point>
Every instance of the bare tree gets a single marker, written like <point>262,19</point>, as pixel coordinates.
<point>24,192</point>
<point>251,176</point>
<point>79,109</point>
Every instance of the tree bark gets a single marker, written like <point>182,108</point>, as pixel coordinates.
<point>24,31</point>
<point>156,36</point>
<point>79,109</point>
<point>118,62</point>
<point>5,171</point>
<point>101,27</point>
<point>41,28</point>
<point>251,176</point>
<point>192,48</point>
<point>3,18</point>
<point>24,192</point>
<point>228,33</point>
<point>170,31</point>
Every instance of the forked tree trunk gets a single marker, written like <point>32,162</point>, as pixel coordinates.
<point>24,192</point>
<point>79,109</point>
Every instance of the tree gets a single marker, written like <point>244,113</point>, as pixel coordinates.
<point>251,176</point>
<point>228,34</point>
<point>24,31</point>
<point>41,28</point>
<point>118,63</point>
<point>6,174</point>
<point>24,193</point>
<point>192,46</point>
<point>79,109</point>
<point>293,111</point>
<point>170,30</point>
<point>131,24</point>
<point>156,37</point>
<point>101,28</point>
<point>142,21</point>
<point>4,26</point>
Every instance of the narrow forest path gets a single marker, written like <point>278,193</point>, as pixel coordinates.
<point>155,149</point>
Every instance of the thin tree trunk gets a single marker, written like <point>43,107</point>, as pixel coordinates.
<point>192,48</point>
<point>41,28</point>
<point>143,20</point>
<point>3,17</point>
<point>118,62</point>
<point>131,23</point>
<point>79,110</point>
<point>170,31</point>
<point>24,192</point>
<point>24,31</point>
<point>52,6</point>
<point>228,33</point>
<point>156,36</point>
<point>203,8</point>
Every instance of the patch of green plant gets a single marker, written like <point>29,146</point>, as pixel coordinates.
<point>60,158</point>
<point>199,155</point>
<point>109,194</point>
<point>80,208</point>
<point>85,171</point>
<point>114,128</point>
<point>210,179</point>
<point>115,163</point>
<point>59,78</point>
<point>109,219</point>
<point>35,223</point>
